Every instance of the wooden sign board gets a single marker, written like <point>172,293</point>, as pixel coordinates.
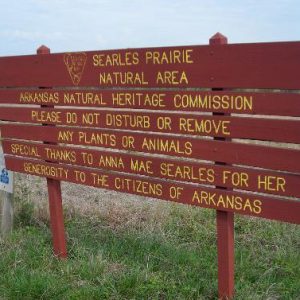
<point>209,66</point>
<point>271,103</point>
<point>269,182</point>
<point>191,124</point>
<point>243,203</point>
<point>215,126</point>
<point>262,156</point>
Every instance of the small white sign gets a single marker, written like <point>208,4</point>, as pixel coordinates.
<point>6,180</point>
<point>6,177</point>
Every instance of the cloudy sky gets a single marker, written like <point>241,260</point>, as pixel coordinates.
<point>74,25</point>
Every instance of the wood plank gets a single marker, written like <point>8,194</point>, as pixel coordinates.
<point>242,203</point>
<point>260,181</point>
<point>283,104</point>
<point>257,65</point>
<point>55,202</point>
<point>227,152</point>
<point>190,124</point>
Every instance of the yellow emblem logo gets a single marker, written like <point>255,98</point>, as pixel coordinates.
<point>75,63</point>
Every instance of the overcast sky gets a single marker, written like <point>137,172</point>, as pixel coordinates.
<point>74,25</point>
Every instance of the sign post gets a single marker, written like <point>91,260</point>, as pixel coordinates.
<point>225,221</point>
<point>55,201</point>
<point>104,118</point>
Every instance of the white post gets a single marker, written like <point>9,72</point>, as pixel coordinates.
<point>7,214</point>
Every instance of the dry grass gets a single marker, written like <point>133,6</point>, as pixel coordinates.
<point>117,210</point>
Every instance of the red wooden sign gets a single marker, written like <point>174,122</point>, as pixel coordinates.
<point>220,138</point>
<point>230,66</point>
<point>199,125</point>
<point>248,204</point>
<point>229,152</point>
<point>284,104</point>
<point>279,183</point>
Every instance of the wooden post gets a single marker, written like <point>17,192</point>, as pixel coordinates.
<point>225,224</point>
<point>55,202</point>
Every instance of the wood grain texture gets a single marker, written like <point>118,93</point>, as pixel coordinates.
<point>283,104</point>
<point>190,124</point>
<point>260,65</point>
<point>243,203</point>
<point>228,152</point>
<point>250,179</point>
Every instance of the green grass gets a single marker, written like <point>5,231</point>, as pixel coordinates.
<point>175,261</point>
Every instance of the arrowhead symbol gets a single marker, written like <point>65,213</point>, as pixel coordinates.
<point>75,63</point>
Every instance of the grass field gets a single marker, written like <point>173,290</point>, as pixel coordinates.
<point>149,250</point>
